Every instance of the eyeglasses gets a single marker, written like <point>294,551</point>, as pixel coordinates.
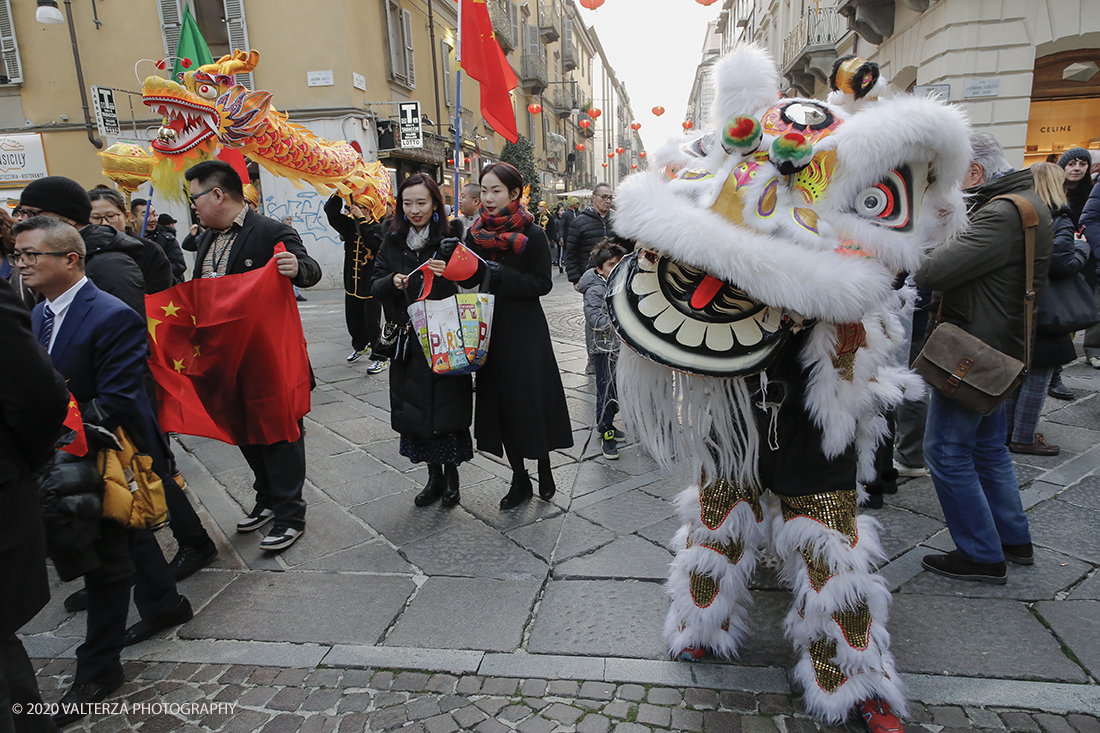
<point>100,218</point>
<point>31,258</point>
<point>25,212</point>
<point>198,196</point>
<point>606,196</point>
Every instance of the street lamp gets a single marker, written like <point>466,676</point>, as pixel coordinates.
<point>48,13</point>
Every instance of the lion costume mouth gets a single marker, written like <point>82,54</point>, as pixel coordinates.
<point>186,124</point>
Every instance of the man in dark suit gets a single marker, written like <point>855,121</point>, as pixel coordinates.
<point>33,403</point>
<point>237,240</point>
<point>99,345</point>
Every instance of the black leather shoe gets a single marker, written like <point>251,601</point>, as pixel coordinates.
<point>74,705</point>
<point>451,496</point>
<point>433,489</point>
<point>547,489</point>
<point>1020,554</point>
<point>960,568</point>
<point>190,560</point>
<point>519,492</point>
<point>77,601</point>
<point>143,630</point>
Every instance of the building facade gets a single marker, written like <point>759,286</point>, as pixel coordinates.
<point>1025,71</point>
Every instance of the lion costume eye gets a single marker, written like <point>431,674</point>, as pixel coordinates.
<point>888,202</point>
<point>207,91</point>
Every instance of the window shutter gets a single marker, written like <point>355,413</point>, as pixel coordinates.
<point>397,68</point>
<point>410,64</point>
<point>446,73</point>
<point>9,49</point>
<point>513,16</point>
<point>170,18</point>
<point>238,35</point>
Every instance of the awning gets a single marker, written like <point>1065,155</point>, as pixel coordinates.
<point>581,194</point>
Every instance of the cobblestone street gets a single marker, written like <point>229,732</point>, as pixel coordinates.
<point>548,617</point>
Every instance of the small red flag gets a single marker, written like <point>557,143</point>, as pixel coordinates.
<point>73,421</point>
<point>229,357</point>
<point>483,60</point>
<point>462,265</point>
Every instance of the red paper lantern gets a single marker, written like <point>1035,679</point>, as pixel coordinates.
<point>706,2</point>
<point>591,4</point>
<point>610,154</point>
<point>658,110</point>
<point>161,64</point>
<point>642,154</point>
<point>580,146</point>
<point>635,126</point>
<point>534,108</point>
<point>185,63</point>
<point>594,112</point>
<point>688,124</point>
<point>620,150</point>
<point>585,124</point>
<point>633,166</point>
<point>605,165</point>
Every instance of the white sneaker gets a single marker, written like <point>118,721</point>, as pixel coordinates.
<point>910,471</point>
<point>1094,362</point>
<point>357,355</point>
<point>281,538</point>
<point>376,366</point>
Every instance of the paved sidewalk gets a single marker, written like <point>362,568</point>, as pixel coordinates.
<point>571,589</point>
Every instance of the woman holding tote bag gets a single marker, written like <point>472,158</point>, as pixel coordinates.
<point>1052,350</point>
<point>431,412</point>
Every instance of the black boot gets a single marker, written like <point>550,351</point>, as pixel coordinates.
<point>433,488</point>
<point>450,484</point>
<point>519,492</point>
<point>547,489</point>
<point>1057,390</point>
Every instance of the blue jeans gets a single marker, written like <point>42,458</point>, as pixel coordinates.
<point>607,399</point>
<point>974,479</point>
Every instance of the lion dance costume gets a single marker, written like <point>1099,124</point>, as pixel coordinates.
<point>761,309</point>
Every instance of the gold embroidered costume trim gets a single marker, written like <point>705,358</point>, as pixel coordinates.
<point>703,589</point>
<point>717,500</point>
<point>733,550</point>
<point>829,676</point>
<point>818,570</point>
<point>835,509</point>
<point>856,625</point>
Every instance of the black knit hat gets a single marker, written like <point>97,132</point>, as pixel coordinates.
<point>59,195</point>
<point>1074,154</point>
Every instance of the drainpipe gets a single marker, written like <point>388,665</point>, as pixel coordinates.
<point>80,78</point>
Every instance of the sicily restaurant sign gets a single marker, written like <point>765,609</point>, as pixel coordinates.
<point>22,159</point>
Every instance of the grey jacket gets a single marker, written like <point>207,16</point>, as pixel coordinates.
<point>599,336</point>
<point>980,272</point>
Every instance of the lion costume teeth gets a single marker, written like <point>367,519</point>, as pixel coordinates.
<point>761,318</point>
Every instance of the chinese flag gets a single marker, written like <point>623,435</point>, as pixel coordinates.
<point>229,357</point>
<point>484,61</point>
<point>73,421</point>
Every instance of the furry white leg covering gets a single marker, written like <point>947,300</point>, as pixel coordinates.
<point>838,620</point>
<point>716,552</point>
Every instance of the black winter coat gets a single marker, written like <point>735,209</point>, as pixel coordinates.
<point>1065,262</point>
<point>165,236</point>
<point>113,263</point>
<point>422,404</point>
<point>519,391</point>
<point>585,232</point>
<point>33,402</point>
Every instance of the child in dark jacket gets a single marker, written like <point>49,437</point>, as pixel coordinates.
<point>601,339</point>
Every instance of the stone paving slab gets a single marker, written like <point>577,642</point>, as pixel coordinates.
<point>471,549</point>
<point>626,557</point>
<point>1088,590</point>
<point>326,608</point>
<point>1077,624</point>
<point>1051,574</point>
<point>600,618</point>
<point>1067,528</point>
<point>561,537</point>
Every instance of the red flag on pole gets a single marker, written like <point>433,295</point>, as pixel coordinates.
<point>482,59</point>
<point>73,421</point>
<point>229,357</point>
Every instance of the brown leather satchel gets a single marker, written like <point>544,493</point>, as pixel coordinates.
<point>966,369</point>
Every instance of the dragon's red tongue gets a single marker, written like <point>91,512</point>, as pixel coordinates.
<point>705,293</point>
<point>178,124</point>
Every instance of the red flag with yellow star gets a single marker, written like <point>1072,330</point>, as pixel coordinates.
<point>229,357</point>
<point>73,421</point>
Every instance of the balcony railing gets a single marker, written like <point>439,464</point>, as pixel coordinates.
<point>533,77</point>
<point>502,24</point>
<point>570,57</point>
<point>564,100</point>
<point>549,21</point>
<point>819,27</point>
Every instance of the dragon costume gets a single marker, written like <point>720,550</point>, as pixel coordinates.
<point>208,108</point>
<point>761,308</point>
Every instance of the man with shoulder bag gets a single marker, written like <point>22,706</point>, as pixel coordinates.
<point>987,279</point>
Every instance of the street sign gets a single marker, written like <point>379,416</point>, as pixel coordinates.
<point>106,114</point>
<point>412,134</point>
<point>939,91</point>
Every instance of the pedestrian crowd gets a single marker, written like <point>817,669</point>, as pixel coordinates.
<point>79,264</point>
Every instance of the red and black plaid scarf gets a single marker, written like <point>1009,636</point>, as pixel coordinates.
<point>505,230</point>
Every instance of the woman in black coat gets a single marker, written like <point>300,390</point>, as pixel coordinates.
<point>431,412</point>
<point>521,408</point>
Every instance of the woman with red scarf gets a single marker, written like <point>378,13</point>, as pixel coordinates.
<point>520,409</point>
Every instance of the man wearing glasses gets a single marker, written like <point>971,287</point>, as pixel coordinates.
<point>592,226</point>
<point>112,259</point>
<point>237,240</point>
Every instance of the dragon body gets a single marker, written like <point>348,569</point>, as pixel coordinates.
<point>207,108</point>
